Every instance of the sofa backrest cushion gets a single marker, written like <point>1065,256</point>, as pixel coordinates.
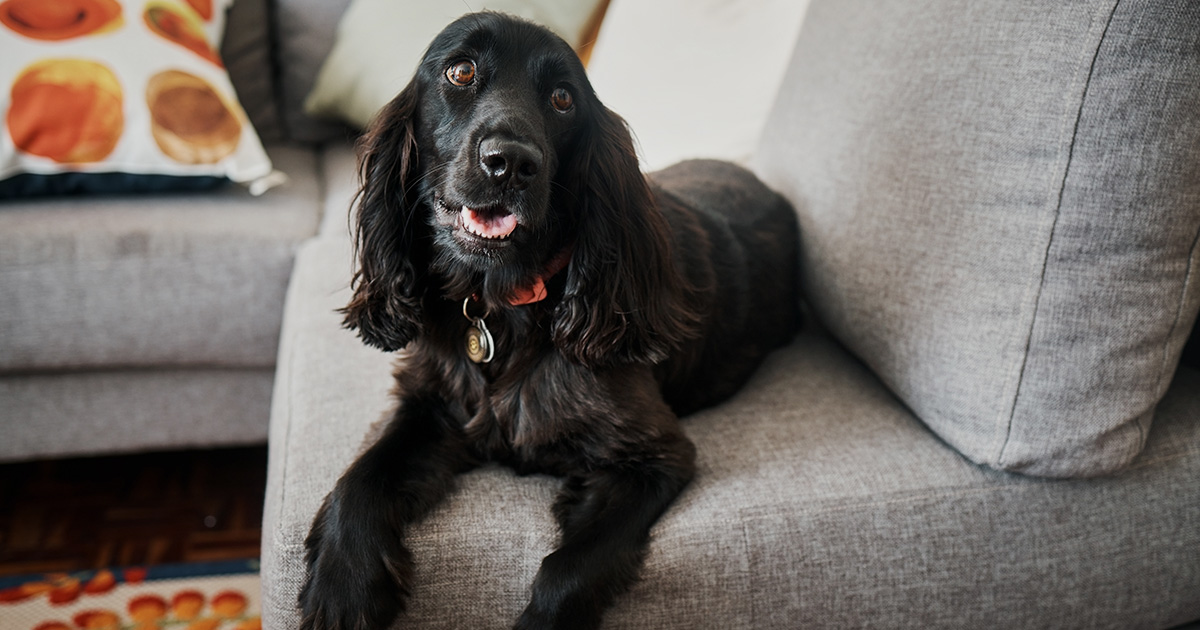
<point>246,50</point>
<point>305,32</point>
<point>707,94</point>
<point>1000,212</point>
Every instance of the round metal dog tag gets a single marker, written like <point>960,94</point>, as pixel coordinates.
<point>480,347</point>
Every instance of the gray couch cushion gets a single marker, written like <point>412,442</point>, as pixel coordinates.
<point>246,51</point>
<point>305,31</point>
<point>1000,210</point>
<point>120,411</point>
<point>820,503</point>
<point>339,166</point>
<point>153,280</point>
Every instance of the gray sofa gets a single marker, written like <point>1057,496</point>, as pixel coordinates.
<point>151,321</point>
<point>869,475</point>
<point>985,423</point>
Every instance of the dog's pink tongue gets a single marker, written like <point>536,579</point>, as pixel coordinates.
<point>489,225</point>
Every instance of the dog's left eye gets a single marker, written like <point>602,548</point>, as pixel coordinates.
<point>461,73</point>
<point>562,100</point>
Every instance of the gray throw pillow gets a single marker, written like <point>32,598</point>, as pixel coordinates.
<point>1000,210</point>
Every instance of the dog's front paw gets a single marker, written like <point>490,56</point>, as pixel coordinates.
<point>538,616</point>
<point>533,619</point>
<point>358,579</point>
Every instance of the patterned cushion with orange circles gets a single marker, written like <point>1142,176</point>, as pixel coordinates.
<point>104,95</point>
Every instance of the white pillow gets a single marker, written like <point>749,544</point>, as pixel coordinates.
<point>129,96</point>
<point>694,79</point>
<point>380,42</point>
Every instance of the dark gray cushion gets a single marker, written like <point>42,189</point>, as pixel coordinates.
<point>1000,206</point>
<point>246,51</point>
<point>305,32</point>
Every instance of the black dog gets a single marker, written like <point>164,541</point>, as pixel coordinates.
<point>559,310</point>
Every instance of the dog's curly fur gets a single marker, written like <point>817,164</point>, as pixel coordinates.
<point>674,288</point>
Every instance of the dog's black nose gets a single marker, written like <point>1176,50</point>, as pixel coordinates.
<point>509,162</point>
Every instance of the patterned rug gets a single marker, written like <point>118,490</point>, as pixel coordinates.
<point>206,596</point>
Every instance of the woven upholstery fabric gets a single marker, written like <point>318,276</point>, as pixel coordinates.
<point>1000,205</point>
<point>820,502</point>
<point>140,322</point>
<point>339,165</point>
<point>137,281</point>
<point>122,410</point>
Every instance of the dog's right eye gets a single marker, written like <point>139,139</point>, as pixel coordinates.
<point>461,73</point>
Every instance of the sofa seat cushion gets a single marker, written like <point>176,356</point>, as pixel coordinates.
<point>120,411</point>
<point>998,212</point>
<point>820,502</point>
<point>153,280</point>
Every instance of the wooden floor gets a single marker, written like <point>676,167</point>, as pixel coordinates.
<point>146,509</point>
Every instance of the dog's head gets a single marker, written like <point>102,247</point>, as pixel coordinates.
<point>496,159</point>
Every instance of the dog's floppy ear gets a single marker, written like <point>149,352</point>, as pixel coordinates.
<point>624,301</point>
<point>388,284</point>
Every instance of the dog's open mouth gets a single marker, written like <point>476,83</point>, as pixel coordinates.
<point>493,223</point>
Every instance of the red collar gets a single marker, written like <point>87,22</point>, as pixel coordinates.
<point>536,292</point>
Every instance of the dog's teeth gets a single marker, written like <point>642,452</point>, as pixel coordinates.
<point>493,226</point>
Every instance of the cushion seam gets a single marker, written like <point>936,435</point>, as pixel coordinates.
<point>1007,422</point>
<point>184,260</point>
<point>900,498</point>
<point>956,492</point>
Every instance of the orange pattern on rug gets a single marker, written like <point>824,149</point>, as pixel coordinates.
<point>213,596</point>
